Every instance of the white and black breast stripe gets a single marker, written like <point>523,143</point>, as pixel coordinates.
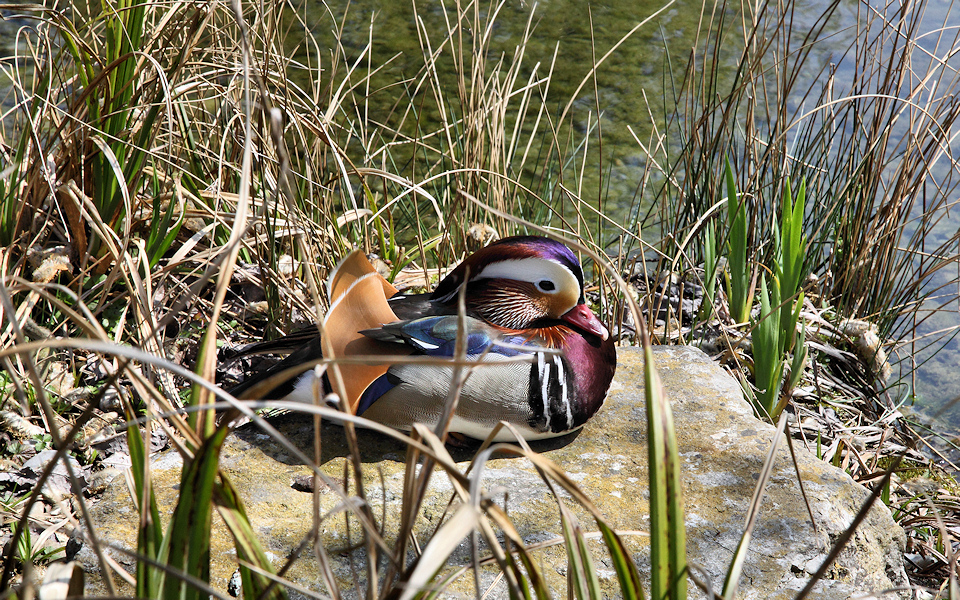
<point>551,404</point>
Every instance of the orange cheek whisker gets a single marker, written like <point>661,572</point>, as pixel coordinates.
<point>551,338</point>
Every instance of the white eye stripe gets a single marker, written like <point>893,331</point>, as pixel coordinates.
<point>533,270</point>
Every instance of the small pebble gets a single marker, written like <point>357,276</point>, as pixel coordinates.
<point>235,585</point>
<point>304,483</point>
<point>110,401</point>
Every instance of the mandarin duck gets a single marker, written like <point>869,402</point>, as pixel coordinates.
<point>524,299</point>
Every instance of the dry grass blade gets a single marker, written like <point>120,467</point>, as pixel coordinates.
<point>552,474</point>
<point>465,520</point>
<point>732,581</point>
<point>7,307</point>
<point>951,556</point>
<point>518,546</point>
<point>190,582</point>
<point>844,537</point>
<point>416,477</point>
<point>62,580</point>
<point>206,360</point>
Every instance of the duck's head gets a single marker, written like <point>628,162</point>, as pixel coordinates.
<point>523,282</point>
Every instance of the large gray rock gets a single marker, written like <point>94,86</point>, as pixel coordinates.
<point>722,447</point>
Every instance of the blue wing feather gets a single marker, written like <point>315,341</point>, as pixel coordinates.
<point>437,336</point>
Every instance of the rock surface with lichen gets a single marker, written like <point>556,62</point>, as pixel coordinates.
<point>722,449</point>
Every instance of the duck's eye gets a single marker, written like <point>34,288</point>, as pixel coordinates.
<point>546,285</point>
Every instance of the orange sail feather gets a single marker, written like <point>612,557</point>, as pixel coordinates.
<point>359,301</point>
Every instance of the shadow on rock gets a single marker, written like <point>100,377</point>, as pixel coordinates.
<point>374,446</point>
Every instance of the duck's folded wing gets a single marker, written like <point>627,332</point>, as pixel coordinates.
<point>497,388</point>
<point>437,336</point>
